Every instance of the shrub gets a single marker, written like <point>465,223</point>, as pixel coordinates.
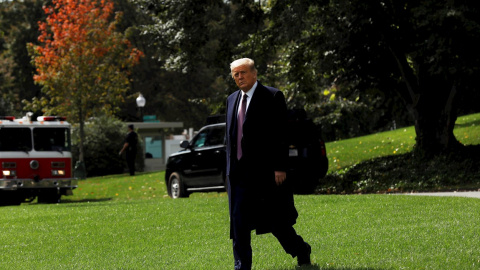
<point>457,170</point>
<point>104,137</point>
<point>343,113</point>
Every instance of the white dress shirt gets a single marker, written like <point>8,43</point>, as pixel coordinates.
<point>249,98</point>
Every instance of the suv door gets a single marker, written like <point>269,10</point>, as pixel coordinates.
<point>207,158</point>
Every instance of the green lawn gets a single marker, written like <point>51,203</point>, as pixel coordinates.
<point>123,222</point>
<point>344,153</point>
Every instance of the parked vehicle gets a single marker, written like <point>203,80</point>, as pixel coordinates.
<point>201,165</point>
<point>35,159</point>
<point>307,162</point>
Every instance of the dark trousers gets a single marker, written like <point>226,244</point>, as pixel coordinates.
<point>130,156</point>
<point>291,242</point>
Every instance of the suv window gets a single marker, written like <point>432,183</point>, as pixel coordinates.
<point>216,136</point>
<point>209,137</point>
<point>200,139</point>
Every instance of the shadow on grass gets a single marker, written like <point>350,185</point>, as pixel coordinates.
<point>86,200</point>
<point>456,170</point>
<point>316,267</point>
<point>473,122</point>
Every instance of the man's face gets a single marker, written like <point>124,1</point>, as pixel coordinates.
<point>244,77</point>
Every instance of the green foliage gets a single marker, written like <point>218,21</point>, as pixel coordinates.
<point>361,49</point>
<point>385,162</point>
<point>293,55</point>
<point>18,27</point>
<point>82,66</point>
<point>341,118</point>
<point>137,230</point>
<point>407,172</point>
<point>104,137</point>
<point>6,81</point>
<point>373,56</point>
<point>343,113</point>
<point>186,37</point>
<point>193,44</point>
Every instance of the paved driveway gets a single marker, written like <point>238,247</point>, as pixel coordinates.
<point>469,194</point>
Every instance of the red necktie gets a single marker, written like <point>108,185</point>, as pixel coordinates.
<point>240,120</point>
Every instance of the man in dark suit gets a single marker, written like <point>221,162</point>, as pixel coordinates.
<point>130,147</point>
<point>260,196</point>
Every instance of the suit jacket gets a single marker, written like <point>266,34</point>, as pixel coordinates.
<point>264,151</point>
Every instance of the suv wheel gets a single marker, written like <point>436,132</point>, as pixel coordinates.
<point>175,186</point>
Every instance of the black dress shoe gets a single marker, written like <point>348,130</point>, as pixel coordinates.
<point>304,257</point>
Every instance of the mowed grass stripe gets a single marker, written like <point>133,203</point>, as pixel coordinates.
<point>346,232</point>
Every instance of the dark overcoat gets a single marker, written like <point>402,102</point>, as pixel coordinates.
<point>264,151</point>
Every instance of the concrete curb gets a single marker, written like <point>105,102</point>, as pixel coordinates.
<point>468,194</point>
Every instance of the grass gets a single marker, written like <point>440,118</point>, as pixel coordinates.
<point>345,153</point>
<point>385,162</point>
<point>123,222</point>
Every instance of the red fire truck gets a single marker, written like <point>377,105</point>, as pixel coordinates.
<point>35,159</point>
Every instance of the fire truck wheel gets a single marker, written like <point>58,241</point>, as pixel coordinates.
<point>9,198</point>
<point>176,188</point>
<point>49,197</point>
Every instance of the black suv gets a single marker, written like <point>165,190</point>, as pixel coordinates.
<point>201,165</point>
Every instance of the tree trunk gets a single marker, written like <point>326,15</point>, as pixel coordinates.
<point>432,103</point>
<point>82,135</point>
<point>435,115</point>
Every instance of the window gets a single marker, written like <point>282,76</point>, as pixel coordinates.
<point>15,139</point>
<point>153,147</point>
<point>200,139</point>
<point>209,137</point>
<point>216,136</point>
<point>51,139</point>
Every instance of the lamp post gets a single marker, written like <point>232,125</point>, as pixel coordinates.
<point>140,104</point>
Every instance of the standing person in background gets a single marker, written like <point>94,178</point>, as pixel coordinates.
<point>130,147</point>
<point>260,196</point>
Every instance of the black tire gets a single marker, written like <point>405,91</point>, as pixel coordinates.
<point>176,188</point>
<point>10,198</point>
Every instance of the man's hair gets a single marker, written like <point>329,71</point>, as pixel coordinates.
<point>243,61</point>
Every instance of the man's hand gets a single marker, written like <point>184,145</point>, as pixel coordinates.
<point>280,177</point>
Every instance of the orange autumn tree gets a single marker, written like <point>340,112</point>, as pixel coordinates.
<point>82,63</point>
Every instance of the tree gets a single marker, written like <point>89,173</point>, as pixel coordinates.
<point>416,49</point>
<point>186,46</point>
<point>18,26</point>
<point>104,136</point>
<point>83,63</point>
<point>192,44</point>
<point>6,83</point>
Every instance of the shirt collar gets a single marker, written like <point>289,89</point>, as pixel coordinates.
<point>251,91</point>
